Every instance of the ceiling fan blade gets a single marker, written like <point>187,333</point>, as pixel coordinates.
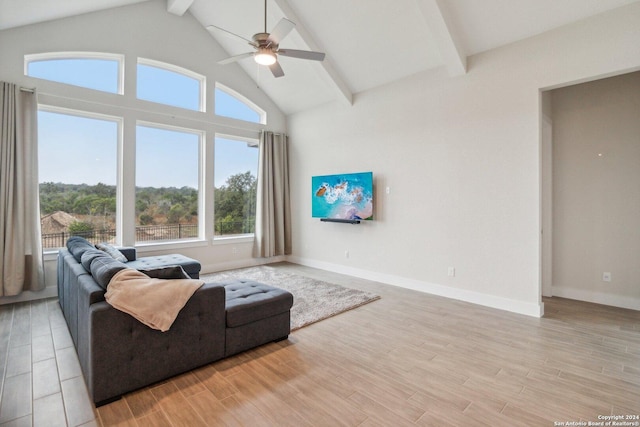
<point>276,69</point>
<point>280,31</point>
<point>227,33</point>
<point>302,54</point>
<point>235,58</point>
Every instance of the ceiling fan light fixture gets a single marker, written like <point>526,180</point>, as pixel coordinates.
<point>264,56</point>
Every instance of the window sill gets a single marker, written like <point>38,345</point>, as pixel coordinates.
<point>50,255</point>
<point>161,246</point>
<point>227,240</point>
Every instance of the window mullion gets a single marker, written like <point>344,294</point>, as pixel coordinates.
<point>127,218</point>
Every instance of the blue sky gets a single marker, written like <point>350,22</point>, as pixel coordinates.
<point>99,74</point>
<point>76,149</point>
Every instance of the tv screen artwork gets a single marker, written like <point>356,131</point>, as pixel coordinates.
<point>347,196</point>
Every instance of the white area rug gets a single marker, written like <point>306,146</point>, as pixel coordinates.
<point>313,300</point>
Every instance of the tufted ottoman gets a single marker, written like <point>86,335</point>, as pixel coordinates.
<point>189,265</point>
<point>255,314</point>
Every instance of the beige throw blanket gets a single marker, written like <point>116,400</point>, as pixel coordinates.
<point>154,302</point>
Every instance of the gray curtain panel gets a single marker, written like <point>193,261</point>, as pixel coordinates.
<point>273,213</point>
<point>22,266</point>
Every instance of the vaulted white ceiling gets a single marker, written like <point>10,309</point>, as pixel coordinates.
<point>368,43</point>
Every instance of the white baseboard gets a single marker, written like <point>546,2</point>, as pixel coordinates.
<point>597,297</point>
<point>243,263</point>
<point>515,306</point>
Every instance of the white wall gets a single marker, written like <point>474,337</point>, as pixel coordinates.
<point>461,158</point>
<point>596,187</point>
<point>142,30</point>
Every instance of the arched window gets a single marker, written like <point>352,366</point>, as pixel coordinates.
<point>98,71</point>
<point>171,85</point>
<point>164,162</point>
<point>230,103</point>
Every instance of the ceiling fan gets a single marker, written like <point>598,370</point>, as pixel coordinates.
<point>267,46</point>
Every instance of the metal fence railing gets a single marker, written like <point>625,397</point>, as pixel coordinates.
<point>223,227</point>
<point>144,233</point>
<point>58,240</point>
<point>150,233</point>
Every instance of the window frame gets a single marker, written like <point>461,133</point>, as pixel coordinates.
<point>251,142</point>
<point>68,55</point>
<point>119,158</point>
<point>201,134</point>
<point>128,112</point>
<point>202,80</point>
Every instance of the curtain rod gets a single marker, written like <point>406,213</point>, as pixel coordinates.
<point>28,89</point>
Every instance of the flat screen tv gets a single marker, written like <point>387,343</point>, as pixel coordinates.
<point>342,197</point>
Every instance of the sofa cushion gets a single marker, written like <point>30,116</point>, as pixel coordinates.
<point>168,272</point>
<point>89,255</point>
<point>248,301</point>
<point>77,246</point>
<point>104,268</point>
<point>112,252</point>
<point>189,265</point>
<point>129,252</point>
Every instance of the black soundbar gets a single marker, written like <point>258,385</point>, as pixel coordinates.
<point>345,221</point>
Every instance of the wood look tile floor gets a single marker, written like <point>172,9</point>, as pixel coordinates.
<point>408,359</point>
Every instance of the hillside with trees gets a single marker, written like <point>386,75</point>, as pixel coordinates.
<point>94,206</point>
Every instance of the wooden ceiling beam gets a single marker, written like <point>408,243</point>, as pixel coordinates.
<point>178,7</point>
<point>442,29</point>
<point>336,79</point>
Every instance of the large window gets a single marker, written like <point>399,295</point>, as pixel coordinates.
<point>236,170</point>
<point>169,84</point>
<point>167,183</point>
<point>77,173</point>
<point>99,71</point>
<point>128,171</point>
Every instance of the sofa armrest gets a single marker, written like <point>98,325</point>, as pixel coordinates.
<point>129,252</point>
<point>121,348</point>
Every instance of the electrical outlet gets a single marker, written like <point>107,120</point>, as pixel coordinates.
<point>234,250</point>
<point>606,276</point>
<point>451,272</point>
<point>346,254</point>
